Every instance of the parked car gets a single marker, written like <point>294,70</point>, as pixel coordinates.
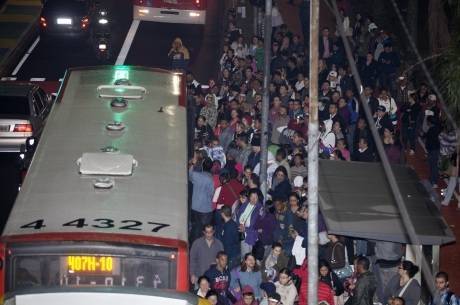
<point>24,108</point>
<point>67,18</point>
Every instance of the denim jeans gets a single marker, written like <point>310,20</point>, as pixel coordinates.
<point>453,181</point>
<point>383,276</point>
<point>245,248</point>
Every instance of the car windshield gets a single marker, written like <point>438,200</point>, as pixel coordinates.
<point>14,105</point>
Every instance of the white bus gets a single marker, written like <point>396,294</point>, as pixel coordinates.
<point>171,11</point>
<point>103,208</point>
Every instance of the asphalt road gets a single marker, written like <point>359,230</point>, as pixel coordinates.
<point>50,59</point>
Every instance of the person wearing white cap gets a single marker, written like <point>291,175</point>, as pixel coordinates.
<point>390,105</point>
<point>372,27</point>
<point>402,91</point>
<point>334,81</point>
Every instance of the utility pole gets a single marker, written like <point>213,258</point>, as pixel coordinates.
<point>313,137</point>
<point>265,101</point>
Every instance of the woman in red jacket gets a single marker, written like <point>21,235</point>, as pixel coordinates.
<point>325,293</point>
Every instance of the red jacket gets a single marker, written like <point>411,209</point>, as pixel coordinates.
<point>325,292</point>
<point>229,193</point>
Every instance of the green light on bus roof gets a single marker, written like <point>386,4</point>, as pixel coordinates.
<point>121,72</point>
<point>118,117</point>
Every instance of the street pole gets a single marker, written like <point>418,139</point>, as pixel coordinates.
<point>313,137</point>
<point>265,101</point>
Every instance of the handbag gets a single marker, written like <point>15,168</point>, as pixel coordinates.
<point>347,270</point>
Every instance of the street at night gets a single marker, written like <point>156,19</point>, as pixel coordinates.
<point>217,152</point>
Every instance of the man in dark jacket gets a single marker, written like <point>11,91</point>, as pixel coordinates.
<point>364,289</point>
<point>229,236</point>
<point>432,146</point>
<point>219,277</point>
<point>389,63</point>
<point>254,156</point>
<point>364,153</point>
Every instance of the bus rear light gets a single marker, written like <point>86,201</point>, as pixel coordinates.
<point>23,128</point>
<point>43,23</point>
<point>84,22</point>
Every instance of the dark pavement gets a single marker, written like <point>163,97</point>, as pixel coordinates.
<point>50,59</point>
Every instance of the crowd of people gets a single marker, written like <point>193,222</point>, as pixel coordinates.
<point>247,249</point>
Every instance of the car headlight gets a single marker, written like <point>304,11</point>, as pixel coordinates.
<point>103,21</point>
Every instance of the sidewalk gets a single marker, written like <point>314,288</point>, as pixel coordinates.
<point>18,23</point>
<point>450,254</point>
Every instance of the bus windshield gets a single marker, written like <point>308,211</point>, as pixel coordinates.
<point>89,266</point>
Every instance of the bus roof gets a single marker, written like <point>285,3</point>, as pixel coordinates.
<point>103,296</point>
<point>56,198</point>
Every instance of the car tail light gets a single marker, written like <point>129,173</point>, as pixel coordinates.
<point>43,22</point>
<point>84,22</point>
<point>23,128</point>
<point>143,2</point>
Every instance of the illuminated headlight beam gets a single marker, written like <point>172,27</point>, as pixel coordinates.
<point>176,84</point>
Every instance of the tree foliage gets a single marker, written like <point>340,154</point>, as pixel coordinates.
<point>448,76</point>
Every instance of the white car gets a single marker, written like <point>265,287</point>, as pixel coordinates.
<point>24,108</point>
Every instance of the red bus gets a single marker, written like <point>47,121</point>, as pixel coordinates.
<point>171,11</point>
<point>103,208</point>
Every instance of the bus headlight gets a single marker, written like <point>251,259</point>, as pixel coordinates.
<point>194,14</point>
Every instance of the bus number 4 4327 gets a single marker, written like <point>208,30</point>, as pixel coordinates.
<point>103,223</point>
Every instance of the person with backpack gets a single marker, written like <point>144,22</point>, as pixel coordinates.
<point>443,295</point>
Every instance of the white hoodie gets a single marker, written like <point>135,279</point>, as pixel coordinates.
<point>328,137</point>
